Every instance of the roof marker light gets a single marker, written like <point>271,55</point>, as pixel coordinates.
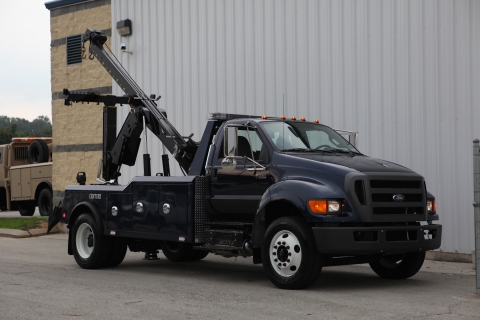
<point>316,121</point>
<point>264,117</point>
<point>282,117</point>
<point>293,118</point>
<point>302,119</point>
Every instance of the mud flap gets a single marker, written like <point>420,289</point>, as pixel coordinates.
<point>54,217</point>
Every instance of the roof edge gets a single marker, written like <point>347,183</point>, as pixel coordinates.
<point>55,4</point>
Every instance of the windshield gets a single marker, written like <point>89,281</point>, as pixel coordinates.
<point>306,137</point>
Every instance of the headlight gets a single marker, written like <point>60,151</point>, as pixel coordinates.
<point>431,206</point>
<point>325,206</point>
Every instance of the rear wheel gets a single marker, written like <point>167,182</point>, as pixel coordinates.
<point>45,202</point>
<point>177,252</point>
<point>289,254</point>
<point>90,250</point>
<point>117,253</point>
<point>26,209</point>
<point>399,266</point>
<point>198,255</point>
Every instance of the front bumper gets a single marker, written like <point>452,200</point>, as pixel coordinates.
<point>368,240</point>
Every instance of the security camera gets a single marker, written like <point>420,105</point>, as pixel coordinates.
<point>123,46</point>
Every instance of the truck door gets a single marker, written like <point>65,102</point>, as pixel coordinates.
<point>240,191</point>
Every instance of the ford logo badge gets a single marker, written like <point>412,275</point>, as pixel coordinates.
<point>398,197</point>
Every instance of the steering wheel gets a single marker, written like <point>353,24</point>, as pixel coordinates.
<point>323,146</point>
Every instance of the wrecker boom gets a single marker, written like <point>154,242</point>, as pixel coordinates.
<point>123,148</point>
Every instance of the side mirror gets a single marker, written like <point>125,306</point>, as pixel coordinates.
<point>230,138</point>
<point>229,164</point>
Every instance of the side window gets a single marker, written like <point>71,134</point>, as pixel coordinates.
<point>248,141</point>
<point>244,146</point>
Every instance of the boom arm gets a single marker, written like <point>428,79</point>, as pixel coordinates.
<point>125,147</point>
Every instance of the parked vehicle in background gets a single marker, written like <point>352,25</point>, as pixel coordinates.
<point>26,176</point>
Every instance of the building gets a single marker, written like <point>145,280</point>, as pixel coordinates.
<point>404,74</point>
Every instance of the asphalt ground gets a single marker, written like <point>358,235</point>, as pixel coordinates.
<point>39,280</point>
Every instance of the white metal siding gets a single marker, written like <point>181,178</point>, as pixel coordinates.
<point>404,74</point>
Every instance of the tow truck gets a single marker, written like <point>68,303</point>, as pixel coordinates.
<point>293,194</point>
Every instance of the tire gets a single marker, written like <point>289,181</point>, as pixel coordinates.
<point>198,255</point>
<point>38,152</point>
<point>399,266</point>
<point>45,205</point>
<point>90,250</point>
<point>289,242</point>
<point>26,209</point>
<point>118,251</point>
<point>177,252</point>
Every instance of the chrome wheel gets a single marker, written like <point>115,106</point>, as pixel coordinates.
<point>285,253</point>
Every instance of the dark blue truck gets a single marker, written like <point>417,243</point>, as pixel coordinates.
<point>293,194</point>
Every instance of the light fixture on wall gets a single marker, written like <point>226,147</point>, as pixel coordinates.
<point>124,27</point>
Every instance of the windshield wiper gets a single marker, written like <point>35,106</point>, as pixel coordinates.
<point>297,149</point>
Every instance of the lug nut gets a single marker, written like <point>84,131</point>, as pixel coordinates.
<point>288,247</point>
<point>275,247</point>
<point>289,253</point>
<point>288,260</point>
<point>279,264</point>
<point>284,264</point>
<point>276,260</point>
<point>274,253</point>
<point>279,243</point>
<point>283,242</point>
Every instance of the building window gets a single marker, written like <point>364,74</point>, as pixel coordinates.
<point>74,49</point>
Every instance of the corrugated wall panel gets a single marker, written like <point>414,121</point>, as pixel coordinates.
<point>404,74</point>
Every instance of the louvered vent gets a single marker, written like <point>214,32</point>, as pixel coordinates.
<point>74,49</point>
<point>21,153</point>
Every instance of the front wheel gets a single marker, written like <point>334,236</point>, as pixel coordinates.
<point>289,254</point>
<point>90,250</point>
<point>399,266</point>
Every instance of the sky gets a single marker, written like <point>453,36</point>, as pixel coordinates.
<point>25,90</point>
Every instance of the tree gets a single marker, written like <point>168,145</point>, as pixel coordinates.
<point>19,127</point>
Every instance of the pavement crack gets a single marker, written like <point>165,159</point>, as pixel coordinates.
<point>132,302</point>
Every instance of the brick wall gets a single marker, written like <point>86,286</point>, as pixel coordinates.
<point>77,129</point>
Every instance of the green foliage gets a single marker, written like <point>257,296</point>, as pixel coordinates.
<point>21,223</point>
<point>19,127</point>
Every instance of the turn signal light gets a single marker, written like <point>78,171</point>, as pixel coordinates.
<point>325,206</point>
<point>432,206</point>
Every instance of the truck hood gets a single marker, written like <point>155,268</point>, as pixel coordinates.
<point>360,163</point>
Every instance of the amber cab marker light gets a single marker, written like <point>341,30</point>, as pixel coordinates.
<point>264,117</point>
<point>318,206</point>
<point>282,117</point>
<point>302,119</point>
<point>316,121</point>
<point>293,118</point>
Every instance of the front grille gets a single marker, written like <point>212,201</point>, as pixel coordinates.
<point>398,210</point>
<point>383,197</point>
<point>398,184</point>
<point>388,197</point>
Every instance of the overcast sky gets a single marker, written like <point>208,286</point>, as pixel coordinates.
<point>25,59</point>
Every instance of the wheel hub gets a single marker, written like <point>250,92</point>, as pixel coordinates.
<point>285,253</point>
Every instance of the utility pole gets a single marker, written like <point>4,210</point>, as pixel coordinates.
<point>476,211</point>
